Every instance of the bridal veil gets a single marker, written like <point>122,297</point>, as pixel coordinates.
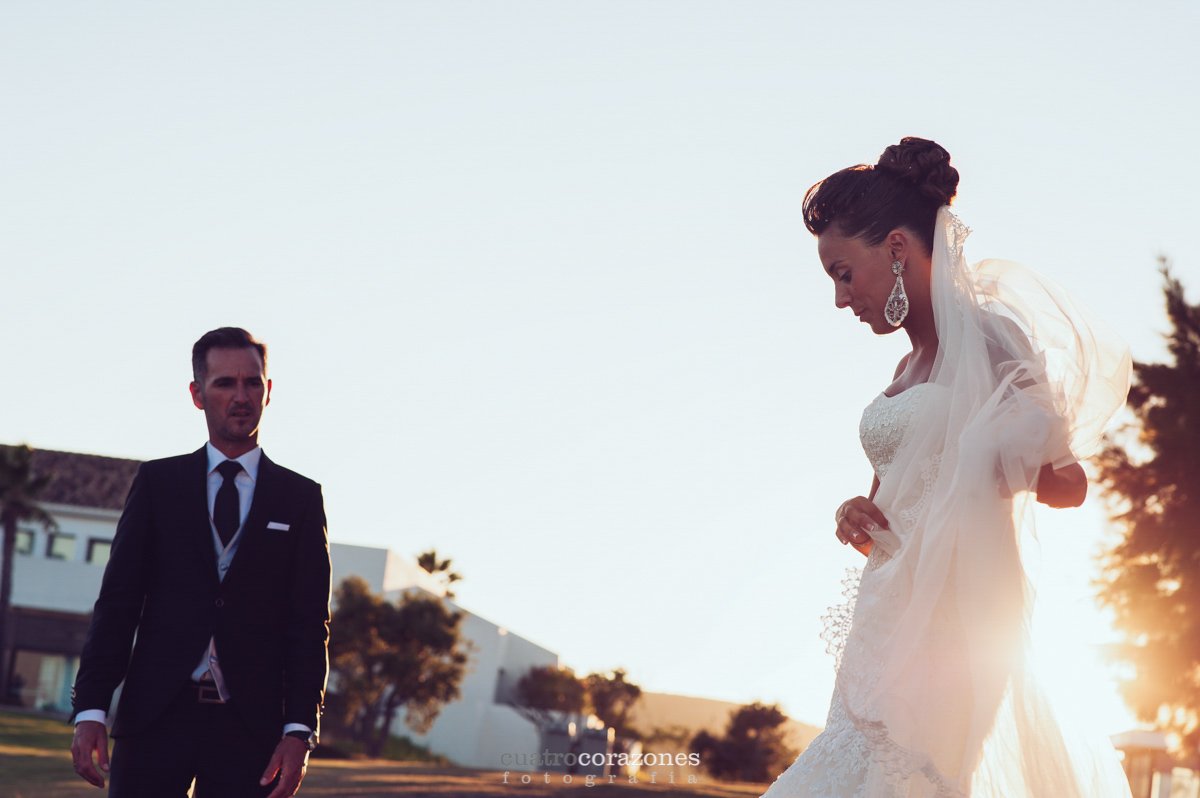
<point>936,673</point>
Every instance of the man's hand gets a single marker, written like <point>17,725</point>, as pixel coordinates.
<point>90,738</point>
<point>290,760</point>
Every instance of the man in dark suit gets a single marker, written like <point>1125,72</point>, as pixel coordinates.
<point>220,564</point>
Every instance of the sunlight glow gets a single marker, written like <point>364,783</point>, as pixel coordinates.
<point>1067,657</point>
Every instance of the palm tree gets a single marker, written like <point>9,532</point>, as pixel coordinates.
<point>19,488</point>
<point>440,569</point>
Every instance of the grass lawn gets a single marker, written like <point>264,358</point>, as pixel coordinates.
<point>35,762</point>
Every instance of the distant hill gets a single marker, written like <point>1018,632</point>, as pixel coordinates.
<point>686,715</point>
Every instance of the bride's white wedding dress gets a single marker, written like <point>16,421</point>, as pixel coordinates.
<point>839,762</point>
<point>935,696</point>
<point>859,760</point>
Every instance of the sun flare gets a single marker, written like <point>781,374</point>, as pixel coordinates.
<point>1067,656</point>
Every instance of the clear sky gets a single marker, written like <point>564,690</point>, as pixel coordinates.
<point>535,282</point>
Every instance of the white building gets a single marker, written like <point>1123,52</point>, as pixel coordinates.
<point>56,578</point>
<point>478,728</point>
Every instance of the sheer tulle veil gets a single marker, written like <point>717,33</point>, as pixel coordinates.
<point>935,674</point>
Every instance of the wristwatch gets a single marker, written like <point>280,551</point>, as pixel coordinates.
<point>308,738</point>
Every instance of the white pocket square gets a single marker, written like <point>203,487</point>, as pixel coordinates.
<point>279,526</point>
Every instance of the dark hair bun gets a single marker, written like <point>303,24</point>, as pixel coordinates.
<point>923,163</point>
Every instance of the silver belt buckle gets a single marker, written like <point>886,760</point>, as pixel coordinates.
<point>206,694</point>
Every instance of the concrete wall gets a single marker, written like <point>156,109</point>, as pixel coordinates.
<point>63,585</point>
<point>496,729</point>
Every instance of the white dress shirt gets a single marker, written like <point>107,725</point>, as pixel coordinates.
<point>209,664</point>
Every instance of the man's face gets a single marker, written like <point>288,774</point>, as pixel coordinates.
<point>233,395</point>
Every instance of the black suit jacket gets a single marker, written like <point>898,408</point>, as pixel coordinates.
<point>269,616</point>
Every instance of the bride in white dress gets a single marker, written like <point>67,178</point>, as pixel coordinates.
<point>1007,387</point>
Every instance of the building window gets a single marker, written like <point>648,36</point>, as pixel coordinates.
<point>60,546</point>
<point>97,552</point>
<point>24,541</point>
<point>42,680</point>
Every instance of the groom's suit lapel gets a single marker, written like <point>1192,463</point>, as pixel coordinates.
<point>266,492</point>
<point>195,504</point>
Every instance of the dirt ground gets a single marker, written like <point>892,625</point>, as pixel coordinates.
<point>379,778</point>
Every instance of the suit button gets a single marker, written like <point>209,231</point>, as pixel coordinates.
<point>220,602</point>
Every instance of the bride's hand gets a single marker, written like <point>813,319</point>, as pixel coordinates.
<point>856,519</point>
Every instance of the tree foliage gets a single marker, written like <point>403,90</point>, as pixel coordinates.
<point>612,699</point>
<point>1152,576</point>
<point>752,749</point>
<point>387,656</point>
<point>439,569</point>
<point>19,489</point>
<point>545,691</point>
<point>544,694</point>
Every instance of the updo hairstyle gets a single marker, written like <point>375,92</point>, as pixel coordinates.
<point>904,189</point>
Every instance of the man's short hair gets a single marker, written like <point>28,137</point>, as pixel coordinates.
<point>223,338</point>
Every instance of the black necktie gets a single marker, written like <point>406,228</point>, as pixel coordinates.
<point>227,512</point>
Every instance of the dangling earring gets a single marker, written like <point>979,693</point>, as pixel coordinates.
<point>897,305</point>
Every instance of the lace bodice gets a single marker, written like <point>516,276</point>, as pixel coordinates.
<point>883,423</point>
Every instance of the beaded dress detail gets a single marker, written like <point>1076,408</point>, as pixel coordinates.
<point>841,762</point>
<point>881,429</point>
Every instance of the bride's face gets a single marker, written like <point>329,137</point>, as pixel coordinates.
<point>862,276</point>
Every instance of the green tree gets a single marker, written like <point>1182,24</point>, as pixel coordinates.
<point>612,700</point>
<point>544,691</point>
<point>1152,576</point>
<point>19,489</point>
<point>388,656</point>
<point>440,569</point>
<point>752,749</point>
